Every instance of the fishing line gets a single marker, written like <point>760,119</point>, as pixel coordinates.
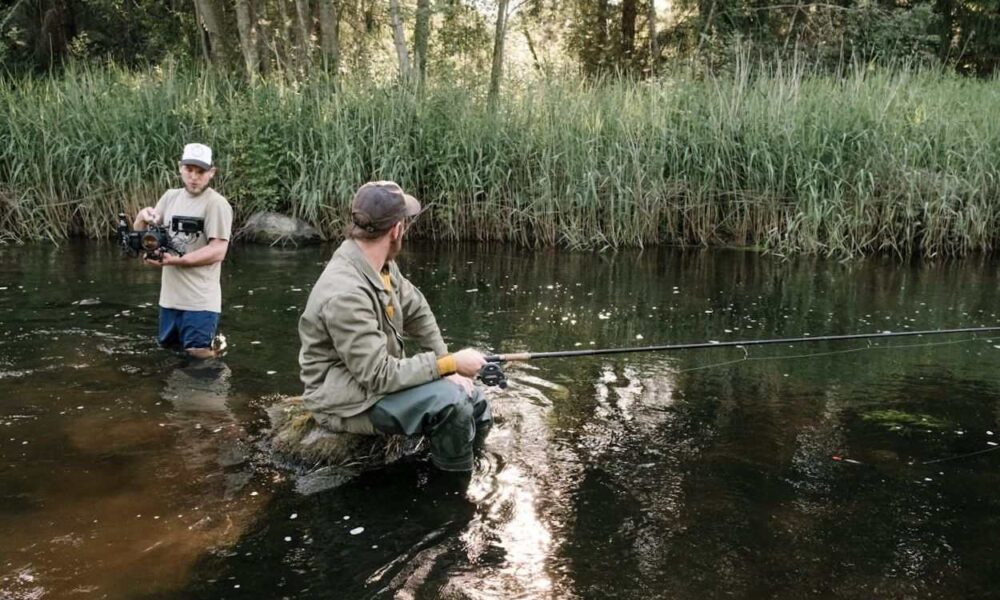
<point>521,356</point>
<point>748,358</point>
<point>491,373</point>
<point>967,455</point>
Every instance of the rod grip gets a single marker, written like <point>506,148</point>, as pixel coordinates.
<point>515,356</point>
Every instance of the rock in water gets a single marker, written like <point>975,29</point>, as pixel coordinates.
<point>274,228</point>
<point>300,443</point>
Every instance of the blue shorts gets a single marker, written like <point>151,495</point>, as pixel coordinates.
<point>187,328</point>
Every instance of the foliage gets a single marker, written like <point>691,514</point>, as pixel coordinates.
<point>876,160</point>
<point>40,34</point>
<point>632,37</point>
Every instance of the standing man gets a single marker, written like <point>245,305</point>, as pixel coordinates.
<point>357,376</point>
<point>200,222</point>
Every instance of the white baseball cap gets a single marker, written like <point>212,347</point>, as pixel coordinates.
<point>198,155</point>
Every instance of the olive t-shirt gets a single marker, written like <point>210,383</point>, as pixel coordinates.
<point>194,288</point>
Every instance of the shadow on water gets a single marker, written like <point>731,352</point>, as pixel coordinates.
<point>828,470</point>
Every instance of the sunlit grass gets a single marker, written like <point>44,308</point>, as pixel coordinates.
<point>899,161</point>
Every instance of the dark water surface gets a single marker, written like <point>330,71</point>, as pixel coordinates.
<point>830,470</point>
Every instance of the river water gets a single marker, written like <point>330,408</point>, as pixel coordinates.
<point>830,470</point>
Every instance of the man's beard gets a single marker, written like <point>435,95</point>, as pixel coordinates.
<point>394,248</point>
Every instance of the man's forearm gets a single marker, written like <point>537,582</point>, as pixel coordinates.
<point>209,255</point>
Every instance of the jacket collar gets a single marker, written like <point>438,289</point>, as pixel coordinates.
<point>351,252</point>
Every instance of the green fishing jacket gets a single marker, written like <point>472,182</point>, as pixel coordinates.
<point>352,350</point>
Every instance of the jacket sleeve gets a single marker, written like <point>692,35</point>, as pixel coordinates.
<point>353,325</point>
<point>418,319</point>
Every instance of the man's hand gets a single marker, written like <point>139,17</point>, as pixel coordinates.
<point>468,362</point>
<point>165,260</point>
<point>148,215</point>
<point>463,382</point>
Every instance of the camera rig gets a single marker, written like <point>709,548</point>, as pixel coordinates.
<point>153,241</point>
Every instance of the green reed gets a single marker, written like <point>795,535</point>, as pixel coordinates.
<point>899,161</point>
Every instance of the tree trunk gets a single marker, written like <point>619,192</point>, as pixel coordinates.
<point>654,44</point>
<point>601,57</point>
<point>399,40</point>
<point>630,11</point>
<point>266,41</point>
<point>202,35</point>
<point>53,36</point>
<point>287,50</point>
<point>329,26</point>
<point>531,47</point>
<point>706,29</point>
<point>247,28</point>
<point>304,22</point>
<point>496,73</point>
<point>421,34</point>
<point>211,20</point>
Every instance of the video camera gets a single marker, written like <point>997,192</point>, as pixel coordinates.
<point>153,241</point>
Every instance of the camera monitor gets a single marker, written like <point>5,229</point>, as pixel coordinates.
<point>187,224</point>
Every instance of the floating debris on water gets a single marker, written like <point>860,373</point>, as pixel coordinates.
<point>357,530</point>
<point>846,460</point>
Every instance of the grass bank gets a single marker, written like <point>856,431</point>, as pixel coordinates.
<point>900,161</point>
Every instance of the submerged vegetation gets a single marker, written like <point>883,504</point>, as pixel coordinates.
<point>897,419</point>
<point>901,161</point>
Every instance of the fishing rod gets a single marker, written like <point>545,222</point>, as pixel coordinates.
<point>492,374</point>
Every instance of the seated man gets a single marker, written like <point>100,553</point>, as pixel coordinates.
<point>357,376</point>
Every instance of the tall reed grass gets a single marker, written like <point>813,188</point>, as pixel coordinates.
<point>901,161</point>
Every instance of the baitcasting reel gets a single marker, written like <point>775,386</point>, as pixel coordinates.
<point>491,375</point>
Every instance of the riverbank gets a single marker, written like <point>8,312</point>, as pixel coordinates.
<point>901,162</point>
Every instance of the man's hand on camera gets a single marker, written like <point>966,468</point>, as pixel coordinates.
<point>148,215</point>
<point>468,362</point>
<point>162,259</point>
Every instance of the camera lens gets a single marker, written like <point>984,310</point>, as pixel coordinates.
<point>150,242</point>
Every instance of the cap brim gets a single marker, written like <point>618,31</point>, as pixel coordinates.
<point>196,163</point>
<point>412,206</point>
